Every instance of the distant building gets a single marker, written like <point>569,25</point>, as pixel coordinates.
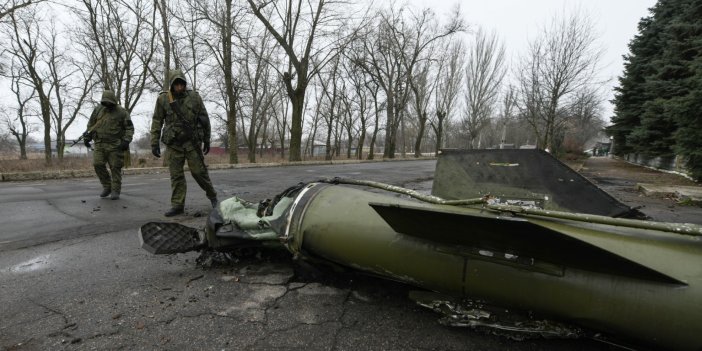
<point>38,147</point>
<point>319,148</point>
<point>75,150</point>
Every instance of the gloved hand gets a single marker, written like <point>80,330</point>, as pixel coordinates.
<point>124,146</point>
<point>206,148</point>
<point>87,138</point>
<point>156,150</point>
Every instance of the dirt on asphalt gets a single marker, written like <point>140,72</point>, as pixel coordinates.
<point>603,168</point>
<point>620,178</point>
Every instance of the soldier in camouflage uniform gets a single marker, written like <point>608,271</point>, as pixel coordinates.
<point>110,128</point>
<point>180,120</point>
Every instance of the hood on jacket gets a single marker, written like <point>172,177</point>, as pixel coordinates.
<point>175,74</point>
<point>108,97</point>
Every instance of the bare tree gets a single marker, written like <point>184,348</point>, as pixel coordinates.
<point>381,59</point>
<point>222,16</point>
<point>349,121</point>
<point>508,113</point>
<point>314,123</point>
<point>585,117</point>
<point>422,86</point>
<point>281,123</point>
<point>329,83</point>
<point>188,47</point>
<point>484,74</point>
<point>424,34</point>
<point>6,142</point>
<point>392,49</point>
<point>162,8</point>
<point>374,89</point>
<point>304,35</point>
<point>449,81</point>
<point>19,124</point>
<point>71,84</point>
<point>260,93</point>
<point>559,62</point>
<point>358,99</point>
<point>25,43</point>
<point>118,37</point>
<point>9,6</point>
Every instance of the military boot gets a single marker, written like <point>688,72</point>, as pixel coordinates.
<point>173,211</point>
<point>115,195</point>
<point>214,202</point>
<point>105,193</point>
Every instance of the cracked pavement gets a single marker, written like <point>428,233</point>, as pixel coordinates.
<point>103,292</point>
<point>127,299</point>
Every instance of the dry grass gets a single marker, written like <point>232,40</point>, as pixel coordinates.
<point>35,162</point>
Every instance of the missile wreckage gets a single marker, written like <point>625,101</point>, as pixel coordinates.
<point>515,229</point>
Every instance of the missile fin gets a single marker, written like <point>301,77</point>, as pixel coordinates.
<point>513,236</point>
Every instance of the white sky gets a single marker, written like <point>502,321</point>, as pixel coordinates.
<point>517,21</point>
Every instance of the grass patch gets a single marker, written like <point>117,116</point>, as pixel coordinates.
<point>35,161</point>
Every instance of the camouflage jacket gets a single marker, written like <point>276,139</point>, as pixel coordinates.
<point>110,125</point>
<point>175,130</point>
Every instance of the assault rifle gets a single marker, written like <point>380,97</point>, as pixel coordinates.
<point>81,138</point>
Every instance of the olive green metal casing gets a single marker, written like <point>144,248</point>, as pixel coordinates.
<point>628,278</point>
<point>337,224</point>
<point>651,294</point>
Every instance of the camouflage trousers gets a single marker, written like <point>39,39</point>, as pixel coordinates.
<point>196,163</point>
<point>106,154</point>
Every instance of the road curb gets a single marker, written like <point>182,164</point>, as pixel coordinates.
<point>682,193</point>
<point>83,173</point>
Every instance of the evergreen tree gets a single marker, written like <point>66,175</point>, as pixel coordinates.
<point>686,109</point>
<point>657,103</point>
<point>631,93</point>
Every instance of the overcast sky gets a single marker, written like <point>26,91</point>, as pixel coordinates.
<point>517,21</point>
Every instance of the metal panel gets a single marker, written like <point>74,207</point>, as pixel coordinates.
<point>514,174</point>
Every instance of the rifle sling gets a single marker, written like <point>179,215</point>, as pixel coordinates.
<point>99,122</point>
<point>175,106</point>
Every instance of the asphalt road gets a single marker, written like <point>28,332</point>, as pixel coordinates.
<point>39,212</point>
<point>73,277</point>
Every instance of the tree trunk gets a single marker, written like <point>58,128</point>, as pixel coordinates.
<point>298,103</point>
<point>60,147</point>
<point>46,118</point>
<point>252,146</point>
<point>401,118</point>
<point>231,137</point>
<point>23,151</point>
<point>390,128</point>
<point>420,135</point>
<point>361,141</point>
<point>282,139</point>
<point>21,141</point>
<point>439,131</point>
<point>376,127</point>
<point>166,46</point>
<point>350,141</point>
<point>328,148</point>
<point>232,93</point>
